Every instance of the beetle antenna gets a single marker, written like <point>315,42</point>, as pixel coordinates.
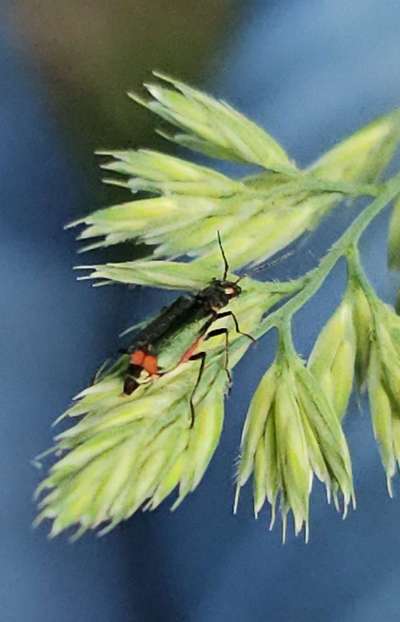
<point>226,265</point>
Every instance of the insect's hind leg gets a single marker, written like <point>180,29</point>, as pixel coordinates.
<point>199,356</point>
<point>216,333</point>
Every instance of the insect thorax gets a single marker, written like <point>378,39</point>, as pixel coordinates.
<point>218,294</point>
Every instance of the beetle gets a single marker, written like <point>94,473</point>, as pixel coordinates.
<point>175,335</point>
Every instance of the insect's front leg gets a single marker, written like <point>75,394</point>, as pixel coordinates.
<point>236,323</point>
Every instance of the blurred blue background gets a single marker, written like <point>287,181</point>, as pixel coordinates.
<point>310,72</point>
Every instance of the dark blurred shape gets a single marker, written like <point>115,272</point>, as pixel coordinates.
<point>90,53</point>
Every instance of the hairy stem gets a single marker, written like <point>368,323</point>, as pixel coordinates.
<point>357,273</point>
<point>316,277</point>
<point>308,183</point>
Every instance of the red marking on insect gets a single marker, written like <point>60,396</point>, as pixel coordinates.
<point>146,361</point>
<point>150,364</point>
<point>137,357</point>
<point>190,351</point>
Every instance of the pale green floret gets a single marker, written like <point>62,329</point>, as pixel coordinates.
<point>381,412</point>
<point>260,476</point>
<point>273,482</point>
<point>292,453</point>
<point>390,361</point>
<point>116,461</point>
<point>151,171</point>
<point>328,432</point>
<point>165,274</point>
<point>384,386</point>
<point>204,438</point>
<point>363,323</point>
<point>342,376</point>
<point>364,155</point>
<point>332,359</point>
<point>214,124</point>
<point>255,423</point>
<point>292,432</point>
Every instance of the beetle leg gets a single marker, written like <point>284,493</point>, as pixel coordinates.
<point>216,333</point>
<point>236,323</point>
<point>199,356</point>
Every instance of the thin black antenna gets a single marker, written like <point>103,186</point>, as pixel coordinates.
<point>226,265</point>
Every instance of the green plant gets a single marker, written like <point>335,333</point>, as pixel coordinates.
<point>127,452</point>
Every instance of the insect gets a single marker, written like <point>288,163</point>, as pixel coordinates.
<point>175,335</point>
